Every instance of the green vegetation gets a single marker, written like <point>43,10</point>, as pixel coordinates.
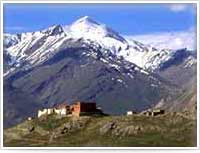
<point>169,130</point>
<point>50,122</point>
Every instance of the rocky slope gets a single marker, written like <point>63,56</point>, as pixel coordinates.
<point>169,130</point>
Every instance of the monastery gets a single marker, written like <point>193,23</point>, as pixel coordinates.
<point>76,109</point>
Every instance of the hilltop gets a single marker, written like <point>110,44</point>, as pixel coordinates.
<point>168,130</point>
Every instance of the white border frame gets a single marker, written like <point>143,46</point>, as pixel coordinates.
<point>99,2</point>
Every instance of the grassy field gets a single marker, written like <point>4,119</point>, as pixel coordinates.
<point>169,130</point>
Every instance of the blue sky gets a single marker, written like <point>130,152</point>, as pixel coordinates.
<point>127,19</point>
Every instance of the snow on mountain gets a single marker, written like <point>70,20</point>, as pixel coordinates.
<point>87,28</point>
<point>90,29</point>
<point>133,51</point>
<point>10,40</point>
<point>13,39</point>
<point>33,46</point>
<point>190,61</point>
<point>36,47</point>
<point>148,59</point>
<point>54,30</point>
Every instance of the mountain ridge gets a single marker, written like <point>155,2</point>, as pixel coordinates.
<point>147,57</point>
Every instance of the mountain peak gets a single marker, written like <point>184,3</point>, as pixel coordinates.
<point>53,30</point>
<point>86,20</point>
<point>90,29</point>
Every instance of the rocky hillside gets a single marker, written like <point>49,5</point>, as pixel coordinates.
<point>169,130</point>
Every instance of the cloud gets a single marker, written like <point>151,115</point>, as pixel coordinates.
<point>171,40</point>
<point>178,7</point>
<point>182,7</point>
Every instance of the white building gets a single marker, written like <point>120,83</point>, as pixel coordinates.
<point>128,113</point>
<point>62,110</point>
<point>42,112</point>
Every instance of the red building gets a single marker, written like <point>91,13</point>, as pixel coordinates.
<point>83,107</point>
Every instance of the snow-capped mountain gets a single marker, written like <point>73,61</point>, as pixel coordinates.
<point>87,61</point>
<point>36,47</point>
<point>82,70</point>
